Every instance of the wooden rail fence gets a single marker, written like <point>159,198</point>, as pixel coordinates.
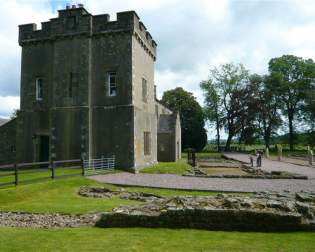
<point>15,174</point>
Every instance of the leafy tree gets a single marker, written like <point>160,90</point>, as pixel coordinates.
<point>267,106</point>
<point>192,118</point>
<point>14,114</point>
<point>212,109</point>
<point>292,78</point>
<point>229,82</point>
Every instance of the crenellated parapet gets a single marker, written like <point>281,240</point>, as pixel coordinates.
<point>76,21</point>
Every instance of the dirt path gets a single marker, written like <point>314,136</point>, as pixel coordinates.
<point>208,184</point>
<point>272,165</point>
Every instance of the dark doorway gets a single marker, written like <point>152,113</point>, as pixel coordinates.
<point>44,149</point>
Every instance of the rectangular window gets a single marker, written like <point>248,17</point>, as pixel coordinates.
<point>144,90</point>
<point>112,84</point>
<point>39,89</point>
<point>147,143</point>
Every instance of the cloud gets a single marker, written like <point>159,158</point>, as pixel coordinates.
<point>8,104</point>
<point>192,36</point>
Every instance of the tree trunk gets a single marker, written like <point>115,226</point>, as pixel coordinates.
<point>267,137</point>
<point>228,142</point>
<point>291,133</point>
<point>218,131</point>
<point>218,138</point>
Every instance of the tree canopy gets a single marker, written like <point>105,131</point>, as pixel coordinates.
<point>192,118</point>
<point>292,82</point>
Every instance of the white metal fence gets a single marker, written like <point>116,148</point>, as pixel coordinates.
<point>97,166</point>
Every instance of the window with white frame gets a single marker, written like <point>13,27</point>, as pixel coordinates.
<point>39,89</point>
<point>147,143</point>
<point>112,83</point>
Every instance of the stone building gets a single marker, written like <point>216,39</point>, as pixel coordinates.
<point>87,90</point>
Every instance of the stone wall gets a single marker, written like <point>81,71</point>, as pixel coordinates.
<point>72,55</point>
<point>169,138</point>
<point>8,142</point>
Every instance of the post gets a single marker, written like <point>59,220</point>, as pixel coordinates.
<point>279,147</point>
<point>16,174</point>
<point>267,152</point>
<point>52,166</point>
<point>82,166</point>
<point>310,155</point>
<point>193,158</point>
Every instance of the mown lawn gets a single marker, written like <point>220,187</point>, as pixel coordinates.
<point>203,154</point>
<point>61,195</point>
<point>179,167</point>
<point>32,175</point>
<point>144,239</point>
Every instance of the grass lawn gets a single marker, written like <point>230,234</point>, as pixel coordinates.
<point>61,195</point>
<point>144,239</point>
<point>179,167</point>
<point>203,154</point>
<point>30,175</point>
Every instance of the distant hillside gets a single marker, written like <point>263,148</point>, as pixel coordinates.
<point>3,121</point>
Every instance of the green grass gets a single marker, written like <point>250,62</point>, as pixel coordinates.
<point>28,176</point>
<point>143,239</point>
<point>61,195</point>
<point>179,167</point>
<point>203,154</point>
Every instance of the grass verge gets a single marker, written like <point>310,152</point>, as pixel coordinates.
<point>61,195</point>
<point>179,167</point>
<point>154,240</point>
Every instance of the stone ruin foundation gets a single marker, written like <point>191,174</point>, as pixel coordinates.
<point>264,211</point>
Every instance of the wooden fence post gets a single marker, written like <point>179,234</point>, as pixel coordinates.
<point>52,166</point>
<point>16,175</point>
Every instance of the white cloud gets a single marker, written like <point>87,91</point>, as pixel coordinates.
<point>8,104</point>
<point>192,36</point>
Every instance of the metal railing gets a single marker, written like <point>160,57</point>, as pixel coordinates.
<point>15,174</point>
<point>97,166</point>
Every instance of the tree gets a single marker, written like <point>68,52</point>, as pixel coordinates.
<point>292,79</point>
<point>212,108</point>
<point>192,118</point>
<point>229,82</point>
<point>268,105</point>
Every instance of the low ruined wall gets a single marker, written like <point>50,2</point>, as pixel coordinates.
<point>212,219</point>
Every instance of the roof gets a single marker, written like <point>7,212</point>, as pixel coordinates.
<point>3,121</point>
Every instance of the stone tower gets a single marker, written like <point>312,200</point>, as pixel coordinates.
<point>87,89</point>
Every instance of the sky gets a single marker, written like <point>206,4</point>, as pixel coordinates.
<point>192,36</point>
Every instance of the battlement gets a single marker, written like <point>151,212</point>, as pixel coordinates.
<point>76,20</point>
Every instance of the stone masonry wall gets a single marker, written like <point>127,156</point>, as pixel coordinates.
<point>7,142</point>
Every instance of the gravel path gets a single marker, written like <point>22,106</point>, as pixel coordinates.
<point>271,165</point>
<point>210,184</point>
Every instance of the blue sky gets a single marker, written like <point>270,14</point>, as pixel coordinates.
<point>192,36</point>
